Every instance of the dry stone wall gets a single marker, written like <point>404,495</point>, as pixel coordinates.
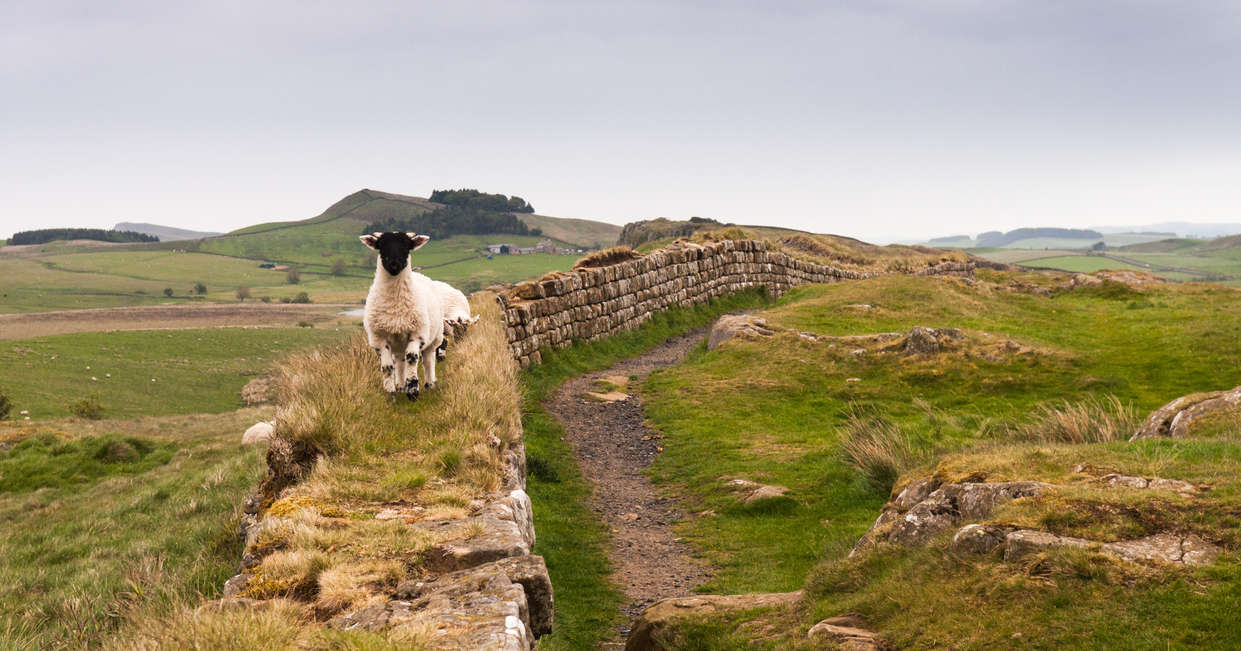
<point>590,304</point>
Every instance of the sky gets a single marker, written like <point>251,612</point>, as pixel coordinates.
<point>880,119</point>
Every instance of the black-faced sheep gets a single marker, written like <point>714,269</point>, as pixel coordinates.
<point>404,320</point>
<point>456,308</point>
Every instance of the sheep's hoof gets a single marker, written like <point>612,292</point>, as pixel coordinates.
<point>430,385</point>
<point>440,355</point>
<point>411,390</point>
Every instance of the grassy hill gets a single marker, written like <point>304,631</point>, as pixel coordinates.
<point>840,423</point>
<point>63,276</point>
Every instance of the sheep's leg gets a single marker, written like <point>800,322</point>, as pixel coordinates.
<point>413,354</point>
<point>428,367</point>
<point>387,366</point>
<point>442,350</point>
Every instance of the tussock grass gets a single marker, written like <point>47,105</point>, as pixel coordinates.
<point>606,257</point>
<point>1097,419</point>
<point>879,450</point>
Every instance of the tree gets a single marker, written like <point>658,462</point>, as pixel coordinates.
<point>243,293</point>
<point>339,267</point>
<point>168,292</point>
<point>302,297</point>
<point>200,288</point>
<point>293,277</point>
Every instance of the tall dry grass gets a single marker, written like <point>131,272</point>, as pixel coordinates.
<point>1093,420</point>
<point>332,402</point>
<point>875,447</point>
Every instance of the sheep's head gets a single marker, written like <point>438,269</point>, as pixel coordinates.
<point>394,248</point>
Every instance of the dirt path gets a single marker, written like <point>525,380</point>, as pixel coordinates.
<point>613,447</point>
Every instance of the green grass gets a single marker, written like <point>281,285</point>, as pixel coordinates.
<point>155,372</point>
<point>774,411</point>
<point>1080,263</point>
<point>79,558</point>
<point>47,460</point>
<point>571,538</point>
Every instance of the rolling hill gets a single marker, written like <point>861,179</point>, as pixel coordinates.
<point>164,233</point>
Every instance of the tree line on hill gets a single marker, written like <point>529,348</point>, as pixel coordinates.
<point>45,235</point>
<point>465,212</point>
<point>996,238</point>
<point>470,198</point>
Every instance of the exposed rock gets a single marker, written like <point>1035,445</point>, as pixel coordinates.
<point>846,633</point>
<point>945,507</point>
<point>256,391</point>
<point>1161,547</point>
<point>1022,543</point>
<point>741,483</point>
<point>1084,280</point>
<point>610,396</point>
<point>1153,483</point>
<point>516,507</point>
<point>650,626</point>
<point>916,491</point>
<point>765,493</point>
<point>1175,418</point>
<point>980,539</point>
<point>236,585</point>
<point>530,572</point>
<point>926,341</point>
<point>472,541</point>
<point>259,432</point>
<point>734,325</point>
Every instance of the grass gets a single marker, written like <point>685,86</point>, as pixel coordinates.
<point>145,373</point>
<point>1082,366</point>
<point>101,527</point>
<point>571,538</point>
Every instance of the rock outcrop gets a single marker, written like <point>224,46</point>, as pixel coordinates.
<point>593,303</point>
<point>1161,547</point>
<point>1174,419</point>
<point>737,325</point>
<point>845,632</point>
<point>926,508</point>
<point>662,615</point>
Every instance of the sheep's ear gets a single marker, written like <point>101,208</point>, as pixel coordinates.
<point>418,240</point>
<point>369,240</point>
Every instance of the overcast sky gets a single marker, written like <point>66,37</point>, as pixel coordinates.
<point>873,118</point>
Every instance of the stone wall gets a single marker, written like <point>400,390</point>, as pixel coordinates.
<point>590,304</point>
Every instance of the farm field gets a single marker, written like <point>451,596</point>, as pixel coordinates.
<point>1080,263</point>
<point>153,373</point>
<point>785,421</point>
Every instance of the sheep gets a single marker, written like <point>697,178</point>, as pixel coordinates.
<point>403,319</point>
<point>456,314</point>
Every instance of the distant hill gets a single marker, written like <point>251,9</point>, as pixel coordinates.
<point>164,233</point>
<point>45,235</point>
<point>1179,229</point>
<point>996,238</point>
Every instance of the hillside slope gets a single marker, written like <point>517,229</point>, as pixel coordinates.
<point>1026,377</point>
<point>164,233</point>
